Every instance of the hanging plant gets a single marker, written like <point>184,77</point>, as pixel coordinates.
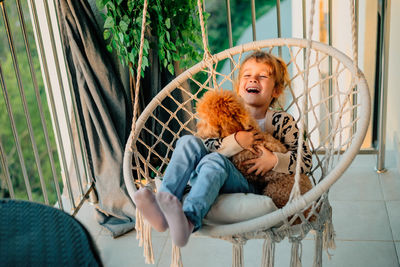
<point>172,29</point>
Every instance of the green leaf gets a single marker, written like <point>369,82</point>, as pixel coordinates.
<point>145,61</point>
<point>171,68</point>
<point>110,5</point>
<point>175,56</point>
<point>131,5</point>
<point>121,37</point>
<point>126,19</point>
<point>132,57</point>
<point>109,48</point>
<point>168,23</point>
<point>106,34</point>
<point>123,25</point>
<point>100,5</point>
<point>119,2</point>
<point>109,23</point>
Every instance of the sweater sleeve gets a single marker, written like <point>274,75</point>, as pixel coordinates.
<point>227,146</point>
<point>286,131</point>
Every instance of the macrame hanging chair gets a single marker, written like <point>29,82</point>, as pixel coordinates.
<point>333,106</point>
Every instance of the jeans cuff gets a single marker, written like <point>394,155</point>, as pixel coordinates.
<point>194,220</point>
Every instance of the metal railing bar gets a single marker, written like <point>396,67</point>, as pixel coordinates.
<point>4,165</point>
<point>52,105</point>
<point>229,26</point>
<point>383,82</point>
<point>14,131</point>
<point>354,112</point>
<point>84,197</point>
<point>304,17</point>
<point>78,124</point>
<point>363,151</point>
<point>278,24</point>
<point>63,98</point>
<point>38,99</point>
<point>24,103</point>
<point>253,19</point>
<point>229,22</point>
<point>330,64</point>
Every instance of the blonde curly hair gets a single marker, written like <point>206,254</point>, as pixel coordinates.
<point>278,70</point>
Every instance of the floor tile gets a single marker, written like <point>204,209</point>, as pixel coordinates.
<point>359,183</point>
<point>125,250</point>
<point>348,254</point>
<point>393,208</point>
<point>213,253</point>
<point>201,251</point>
<point>361,220</point>
<point>366,218</point>
<point>352,254</point>
<point>366,160</point>
<point>86,216</point>
<point>390,182</point>
<point>391,159</point>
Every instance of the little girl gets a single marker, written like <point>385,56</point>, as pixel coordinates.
<point>205,164</point>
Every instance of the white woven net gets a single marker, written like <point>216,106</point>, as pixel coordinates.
<point>332,111</point>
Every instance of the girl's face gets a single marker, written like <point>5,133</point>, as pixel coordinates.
<point>256,85</point>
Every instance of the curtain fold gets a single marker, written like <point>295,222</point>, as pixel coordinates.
<point>104,111</point>
<point>104,107</point>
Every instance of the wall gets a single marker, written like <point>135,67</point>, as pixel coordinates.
<point>393,96</point>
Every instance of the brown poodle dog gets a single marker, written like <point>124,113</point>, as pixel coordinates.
<point>223,113</point>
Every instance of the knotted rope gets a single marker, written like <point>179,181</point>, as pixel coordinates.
<point>295,193</point>
<point>139,67</point>
<point>208,59</point>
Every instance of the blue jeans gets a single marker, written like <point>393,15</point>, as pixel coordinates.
<point>209,174</point>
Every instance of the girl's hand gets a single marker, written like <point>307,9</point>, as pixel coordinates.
<point>264,163</point>
<point>246,138</point>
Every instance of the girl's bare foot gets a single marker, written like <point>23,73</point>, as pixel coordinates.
<point>147,204</point>
<point>179,226</point>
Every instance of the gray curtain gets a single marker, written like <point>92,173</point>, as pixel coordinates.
<point>104,105</point>
<point>104,111</point>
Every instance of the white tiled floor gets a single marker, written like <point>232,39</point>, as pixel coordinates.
<point>366,215</point>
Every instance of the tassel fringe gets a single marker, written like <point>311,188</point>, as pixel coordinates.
<point>143,234</point>
<point>268,255</point>
<point>328,238</point>
<point>237,255</point>
<point>295,260</point>
<point>176,260</point>
<point>318,249</point>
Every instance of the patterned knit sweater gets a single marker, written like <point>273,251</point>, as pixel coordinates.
<point>283,127</point>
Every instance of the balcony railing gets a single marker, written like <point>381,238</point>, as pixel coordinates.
<point>51,167</point>
<point>43,156</point>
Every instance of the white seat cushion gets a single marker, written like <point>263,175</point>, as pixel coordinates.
<point>238,207</point>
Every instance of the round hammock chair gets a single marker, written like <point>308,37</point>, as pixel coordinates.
<point>333,107</point>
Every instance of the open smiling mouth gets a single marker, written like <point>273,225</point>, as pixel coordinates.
<point>252,90</point>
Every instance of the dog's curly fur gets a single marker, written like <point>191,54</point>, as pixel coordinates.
<point>223,113</point>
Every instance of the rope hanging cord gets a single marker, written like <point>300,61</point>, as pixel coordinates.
<point>207,57</point>
<point>139,67</point>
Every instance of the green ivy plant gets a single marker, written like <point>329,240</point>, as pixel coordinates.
<point>172,29</point>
